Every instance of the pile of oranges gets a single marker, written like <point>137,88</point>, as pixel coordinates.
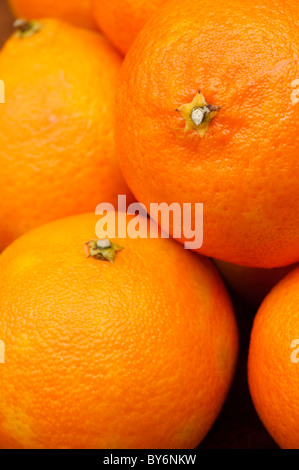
<point>109,341</point>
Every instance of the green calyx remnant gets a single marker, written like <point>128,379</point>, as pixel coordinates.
<point>103,249</point>
<point>25,29</point>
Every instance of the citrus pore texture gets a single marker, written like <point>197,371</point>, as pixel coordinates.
<point>272,371</point>
<point>135,354</point>
<point>57,151</point>
<point>243,56</point>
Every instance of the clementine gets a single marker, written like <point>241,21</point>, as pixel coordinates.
<point>208,91</point>
<point>77,12</point>
<point>57,151</point>
<point>138,353</point>
<point>273,365</point>
<point>122,20</point>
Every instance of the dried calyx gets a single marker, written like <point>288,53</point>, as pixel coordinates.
<point>26,28</point>
<point>198,114</point>
<point>102,249</point>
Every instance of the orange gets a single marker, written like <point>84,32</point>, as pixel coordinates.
<point>273,366</point>
<point>138,353</point>
<point>121,20</point>
<point>233,145</point>
<point>253,284</point>
<point>77,12</point>
<point>57,151</point>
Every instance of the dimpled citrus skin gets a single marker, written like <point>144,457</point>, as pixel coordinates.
<point>121,20</point>
<point>273,376</point>
<point>77,12</point>
<point>135,354</point>
<point>57,151</point>
<point>243,56</point>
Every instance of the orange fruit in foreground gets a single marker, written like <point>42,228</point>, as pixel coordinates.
<point>208,91</point>
<point>77,12</point>
<point>253,284</point>
<point>273,365</point>
<point>138,353</point>
<point>121,20</point>
<point>57,150</point>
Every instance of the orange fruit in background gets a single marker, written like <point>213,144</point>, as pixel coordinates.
<point>57,151</point>
<point>121,20</point>
<point>273,365</point>
<point>253,284</point>
<point>138,353</point>
<point>78,12</point>
<point>241,160</point>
